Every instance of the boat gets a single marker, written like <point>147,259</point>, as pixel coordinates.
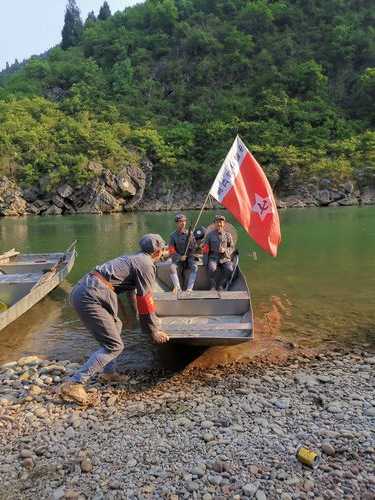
<point>26,278</point>
<point>204,317</point>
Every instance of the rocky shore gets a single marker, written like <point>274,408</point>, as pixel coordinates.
<point>138,188</point>
<point>229,432</point>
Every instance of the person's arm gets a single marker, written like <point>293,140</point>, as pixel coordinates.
<point>173,251</point>
<point>205,250</point>
<point>230,246</point>
<point>148,319</point>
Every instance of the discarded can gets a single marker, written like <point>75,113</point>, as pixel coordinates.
<point>307,457</point>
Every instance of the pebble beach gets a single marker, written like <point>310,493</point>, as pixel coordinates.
<point>213,433</point>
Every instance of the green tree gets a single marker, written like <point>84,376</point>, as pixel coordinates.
<point>104,12</point>
<point>73,27</point>
<point>91,19</point>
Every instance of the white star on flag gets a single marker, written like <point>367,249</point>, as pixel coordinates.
<point>262,206</point>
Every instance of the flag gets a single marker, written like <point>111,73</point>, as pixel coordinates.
<point>242,188</point>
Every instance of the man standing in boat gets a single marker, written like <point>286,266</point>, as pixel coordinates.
<point>181,248</point>
<point>218,249</point>
<point>94,298</point>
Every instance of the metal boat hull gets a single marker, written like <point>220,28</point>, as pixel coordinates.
<point>26,278</point>
<point>204,317</point>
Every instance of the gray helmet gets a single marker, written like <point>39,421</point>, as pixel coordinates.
<point>180,217</point>
<point>219,217</point>
<point>149,243</point>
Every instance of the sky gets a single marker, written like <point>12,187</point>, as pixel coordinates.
<point>30,27</point>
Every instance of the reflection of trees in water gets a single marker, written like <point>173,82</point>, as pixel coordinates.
<point>14,232</point>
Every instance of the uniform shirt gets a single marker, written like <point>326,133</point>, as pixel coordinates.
<point>219,246</point>
<point>177,244</point>
<point>134,272</point>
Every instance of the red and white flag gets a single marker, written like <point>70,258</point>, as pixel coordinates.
<point>242,187</point>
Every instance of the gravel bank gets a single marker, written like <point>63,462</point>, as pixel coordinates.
<point>212,434</point>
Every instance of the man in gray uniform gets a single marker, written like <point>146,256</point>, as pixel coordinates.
<point>94,298</point>
<point>218,249</point>
<point>182,254</point>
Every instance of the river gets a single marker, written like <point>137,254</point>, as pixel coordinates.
<point>318,291</point>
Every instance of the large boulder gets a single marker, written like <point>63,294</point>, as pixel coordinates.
<point>97,200</point>
<point>132,183</point>
<point>11,199</point>
<point>53,210</point>
<point>367,196</point>
<point>65,190</point>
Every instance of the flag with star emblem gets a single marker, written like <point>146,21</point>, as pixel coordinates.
<point>242,187</point>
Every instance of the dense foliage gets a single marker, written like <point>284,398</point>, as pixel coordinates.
<point>178,79</point>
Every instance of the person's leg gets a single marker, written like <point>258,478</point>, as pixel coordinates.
<point>226,273</point>
<point>98,309</point>
<point>193,268</point>
<point>211,269</point>
<point>107,331</point>
<point>174,277</point>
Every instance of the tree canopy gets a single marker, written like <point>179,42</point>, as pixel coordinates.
<point>295,78</point>
<point>73,27</point>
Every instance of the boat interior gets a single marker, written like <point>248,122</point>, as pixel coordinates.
<point>19,273</point>
<point>204,316</point>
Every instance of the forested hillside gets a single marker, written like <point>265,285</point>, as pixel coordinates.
<point>176,80</point>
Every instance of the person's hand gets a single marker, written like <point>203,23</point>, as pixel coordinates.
<point>160,337</point>
<point>183,258</point>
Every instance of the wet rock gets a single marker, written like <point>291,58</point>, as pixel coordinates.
<point>29,361</point>
<point>53,210</point>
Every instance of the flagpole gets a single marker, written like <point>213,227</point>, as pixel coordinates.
<point>200,213</point>
<point>196,222</point>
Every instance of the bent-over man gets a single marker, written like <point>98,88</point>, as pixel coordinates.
<point>218,249</point>
<point>94,298</point>
<point>182,254</point>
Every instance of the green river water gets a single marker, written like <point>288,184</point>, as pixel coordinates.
<point>318,291</point>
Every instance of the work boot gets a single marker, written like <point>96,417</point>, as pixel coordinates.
<point>113,377</point>
<point>73,392</point>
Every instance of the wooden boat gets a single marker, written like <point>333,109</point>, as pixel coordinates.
<point>26,278</point>
<point>204,317</point>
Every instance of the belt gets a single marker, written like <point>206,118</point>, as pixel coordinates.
<point>103,280</point>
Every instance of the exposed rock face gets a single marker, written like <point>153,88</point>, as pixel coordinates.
<point>11,199</point>
<point>105,193</point>
<point>138,188</point>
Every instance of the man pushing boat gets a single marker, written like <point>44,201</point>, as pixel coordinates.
<point>95,300</point>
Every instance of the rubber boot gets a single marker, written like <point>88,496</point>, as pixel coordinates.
<point>191,281</point>
<point>176,283</point>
